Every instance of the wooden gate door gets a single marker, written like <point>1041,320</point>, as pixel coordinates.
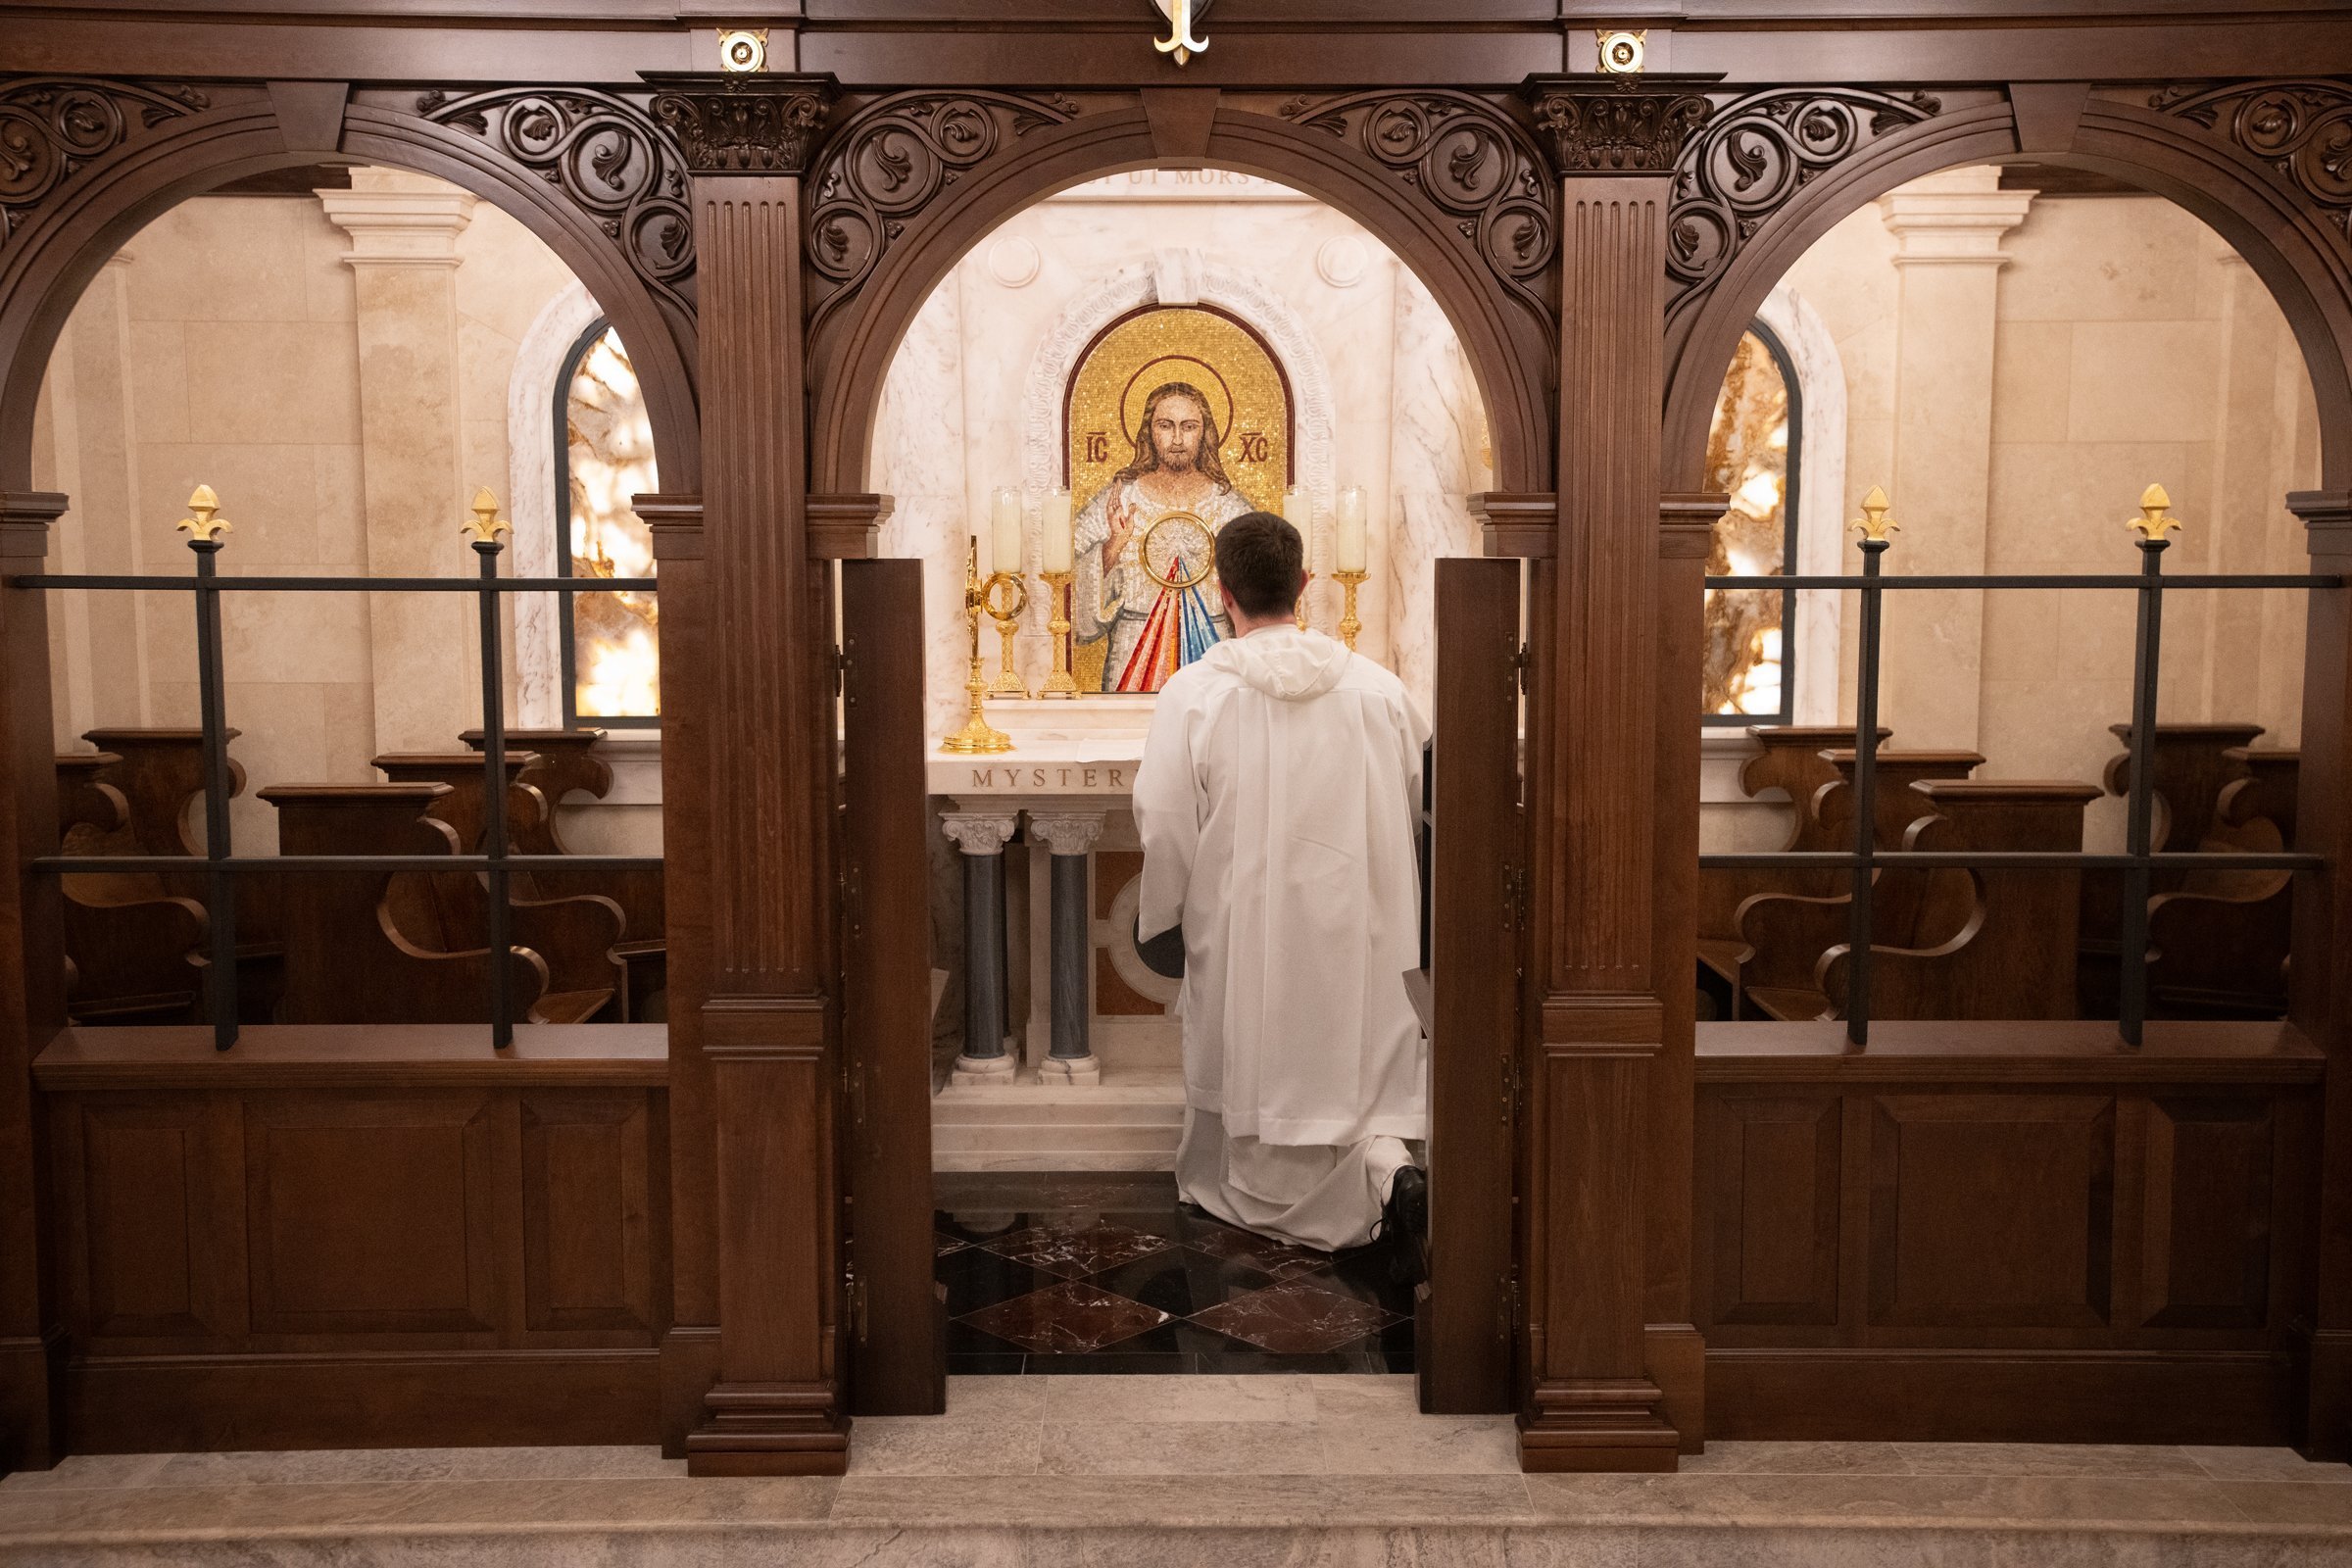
<point>1464,1323</point>
<point>896,1325</point>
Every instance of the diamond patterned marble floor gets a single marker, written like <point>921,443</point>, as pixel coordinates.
<point>1063,1274</point>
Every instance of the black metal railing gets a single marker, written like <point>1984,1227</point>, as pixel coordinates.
<point>223,864</point>
<point>2137,862</point>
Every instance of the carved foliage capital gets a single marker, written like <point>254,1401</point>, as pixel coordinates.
<point>1615,125</point>
<point>1066,832</point>
<point>979,832</point>
<point>2301,128</point>
<point>743,124</point>
<point>52,126</point>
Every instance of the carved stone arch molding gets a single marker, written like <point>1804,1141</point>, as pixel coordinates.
<point>2262,163</point>
<point>90,160</point>
<point>1451,182</point>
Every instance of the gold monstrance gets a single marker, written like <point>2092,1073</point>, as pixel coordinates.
<point>978,737</point>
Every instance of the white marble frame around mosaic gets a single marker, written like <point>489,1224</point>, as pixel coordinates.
<point>1176,276</point>
<point>531,501</point>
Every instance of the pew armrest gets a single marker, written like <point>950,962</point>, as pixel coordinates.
<point>576,936</point>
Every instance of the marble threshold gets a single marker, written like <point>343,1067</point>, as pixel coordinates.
<point>1131,1120</point>
<point>1152,1473</point>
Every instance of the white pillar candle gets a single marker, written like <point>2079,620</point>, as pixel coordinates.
<point>1006,554</point>
<point>1059,546</point>
<point>1298,510</point>
<point>1348,530</point>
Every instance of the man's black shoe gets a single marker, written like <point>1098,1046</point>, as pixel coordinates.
<point>1404,1225</point>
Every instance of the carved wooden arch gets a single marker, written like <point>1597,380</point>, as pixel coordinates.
<point>1506,324</point>
<point>2300,252</point>
<point>90,201</point>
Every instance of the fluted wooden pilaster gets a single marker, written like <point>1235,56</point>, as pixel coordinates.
<point>1592,1400</point>
<point>770,1023</point>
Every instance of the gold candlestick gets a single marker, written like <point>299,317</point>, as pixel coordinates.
<point>1348,624</point>
<point>1008,682</point>
<point>1061,683</point>
<point>978,737</point>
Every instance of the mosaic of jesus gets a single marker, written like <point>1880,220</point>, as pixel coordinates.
<point>1179,422</point>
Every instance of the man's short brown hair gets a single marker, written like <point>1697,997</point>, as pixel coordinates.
<point>1258,560</point>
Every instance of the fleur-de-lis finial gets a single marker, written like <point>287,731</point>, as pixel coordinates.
<point>2155,517</point>
<point>203,520</point>
<point>1873,521</point>
<point>485,526</point>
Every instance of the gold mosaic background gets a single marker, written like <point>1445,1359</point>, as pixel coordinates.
<point>1175,343</point>
<point>1747,457</point>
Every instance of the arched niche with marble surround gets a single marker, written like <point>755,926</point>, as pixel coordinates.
<point>1382,391</point>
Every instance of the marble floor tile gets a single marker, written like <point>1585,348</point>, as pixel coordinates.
<point>1294,1318</point>
<point>1182,1448</point>
<point>1796,1459</point>
<point>2267,1465</point>
<point>2323,1504</point>
<point>1181,1282</point>
<point>993,1398</point>
<point>1075,1251</point>
<point>1846,1546</point>
<point>1243,1361</point>
<point>977,1278</point>
<point>1190,1398</point>
<point>1421,1444</point>
<point>1795,1499</point>
<point>1068,1318</point>
<point>83,1470</point>
<point>1120,1363</point>
<point>1179,1501</point>
<point>418,1464</point>
<point>1262,1253</point>
<point>1362,1396</point>
<point>945,1446</point>
<point>2044,1459</point>
<point>1004,1363</point>
<point>943,1244</point>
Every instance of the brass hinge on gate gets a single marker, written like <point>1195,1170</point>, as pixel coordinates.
<point>1522,666</point>
<point>841,677</point>
<point>1508,1078</point>
<point>1507,1308</point>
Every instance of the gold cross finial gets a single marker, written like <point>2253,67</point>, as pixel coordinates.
<point>203,520</point>
<point>2155,517</point>
<point>485,526</point>
<point>1873,521</point>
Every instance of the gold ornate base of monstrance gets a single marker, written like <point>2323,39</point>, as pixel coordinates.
<point>978,737</point>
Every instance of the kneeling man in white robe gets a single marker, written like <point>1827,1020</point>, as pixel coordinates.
<point>1278,804</point>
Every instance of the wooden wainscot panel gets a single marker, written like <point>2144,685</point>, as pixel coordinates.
<point>587,1232</point>
<point>372,1214</point>
<point>2205,1260</point>
<point>148,1193</point>
<point>1992,1209</point>
<point>1770,1209</point>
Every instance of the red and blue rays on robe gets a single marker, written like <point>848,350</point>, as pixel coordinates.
<point>1178,631</point>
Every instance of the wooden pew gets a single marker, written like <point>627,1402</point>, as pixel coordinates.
<point>133,947</point>
<point>2190,765</point>
<point>160,774</point>
<point>575,933</point>
<point>1793,760</point>
<point>1980,941</point>
<point>369,948</point>
<point>2218,943</point>
<point>567,761</point>
<point>1785,934</point>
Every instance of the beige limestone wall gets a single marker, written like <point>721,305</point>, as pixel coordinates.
<point>338,368</point>
<point>2015,393</point>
